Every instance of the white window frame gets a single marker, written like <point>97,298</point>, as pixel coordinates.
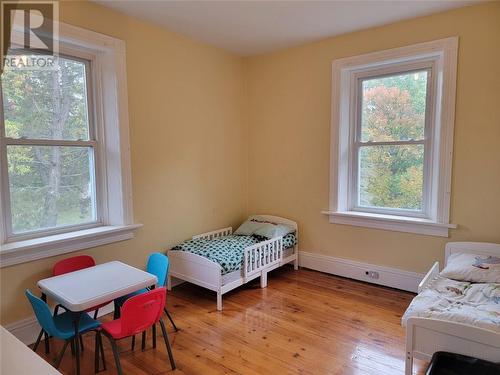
<point>106,56</point>
<point>440,58</point>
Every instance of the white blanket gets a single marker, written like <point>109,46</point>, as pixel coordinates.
<point>476,304</point>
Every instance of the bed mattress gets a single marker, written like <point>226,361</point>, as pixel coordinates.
<point>227,251</point>
<point>476,304</point>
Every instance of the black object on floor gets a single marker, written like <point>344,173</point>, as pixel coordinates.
<point>444,363</point>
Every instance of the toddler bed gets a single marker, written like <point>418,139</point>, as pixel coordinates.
<point>222,260</point>
<point>457,310</point>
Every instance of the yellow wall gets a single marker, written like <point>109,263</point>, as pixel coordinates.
<point>289,121</point>
<point>189,157</point>
<point>214,136</point>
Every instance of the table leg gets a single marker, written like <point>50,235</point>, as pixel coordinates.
<point>76,322</point>
<point>116,312</point>
<point>45,334</point>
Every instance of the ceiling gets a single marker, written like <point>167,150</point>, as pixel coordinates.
<point>252,27</point>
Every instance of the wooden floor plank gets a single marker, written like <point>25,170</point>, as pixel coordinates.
<point>304,322</point>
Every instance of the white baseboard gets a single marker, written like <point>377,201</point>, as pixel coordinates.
<point>392,277</point>
<point>26,330</point>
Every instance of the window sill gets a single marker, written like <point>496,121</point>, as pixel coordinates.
<point>43,247</point>
<point>390,222</point>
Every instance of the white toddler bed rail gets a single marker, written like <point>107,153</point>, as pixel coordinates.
<point>262,255</point>
<point>425,336</point>
<point>214,234</point>
<point>258,260</point>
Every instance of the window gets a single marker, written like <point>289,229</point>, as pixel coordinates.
<point>392,129</point>
<point>389,147</point>
<point>64,149</point>
<point>50,149</point>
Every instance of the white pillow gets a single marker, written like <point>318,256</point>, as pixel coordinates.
<point>262,227</point>
<point>473,268</point>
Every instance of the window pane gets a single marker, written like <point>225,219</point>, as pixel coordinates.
<point>391,176</point>
<point>393,107</point>
<point>50,187</point>
<point>43,104</point>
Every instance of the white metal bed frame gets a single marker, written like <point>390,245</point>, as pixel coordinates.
<point>258,260</point>
<point>425,336</point>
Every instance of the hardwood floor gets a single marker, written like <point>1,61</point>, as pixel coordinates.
<point>304,322</point>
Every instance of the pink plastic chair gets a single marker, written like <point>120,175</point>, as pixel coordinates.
<point>138,314</point>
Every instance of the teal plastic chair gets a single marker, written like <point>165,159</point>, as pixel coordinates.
<point>60,326</point>
<point>157,265</point>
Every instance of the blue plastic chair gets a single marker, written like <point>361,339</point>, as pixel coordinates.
<point>157,265</point>
<point>60,326</point>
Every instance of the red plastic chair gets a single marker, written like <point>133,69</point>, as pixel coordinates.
<point>138,314</point>
<point>66,266</point>
<point>72,264</point>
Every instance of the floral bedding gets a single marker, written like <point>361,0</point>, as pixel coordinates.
<point>476,304</point>
<point>227,251</point>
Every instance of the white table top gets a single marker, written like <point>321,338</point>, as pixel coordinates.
<point>89,287</point>
<point>17,358</point>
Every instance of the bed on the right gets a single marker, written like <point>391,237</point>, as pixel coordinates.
<point>458,309</point>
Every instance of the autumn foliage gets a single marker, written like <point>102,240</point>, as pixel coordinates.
<point>391,175</point>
